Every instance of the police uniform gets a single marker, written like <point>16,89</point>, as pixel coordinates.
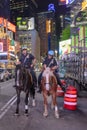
<point>26,61</point>
<point>53,63</point>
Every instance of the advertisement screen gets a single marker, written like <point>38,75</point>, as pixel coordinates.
<point>64,47</point>
<point>62,2</point>
<point>25,23</point>
<point>7,24</point>
<point>69,1</point>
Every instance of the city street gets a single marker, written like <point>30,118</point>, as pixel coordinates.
<point>72,120</point>
<point>49,37</point>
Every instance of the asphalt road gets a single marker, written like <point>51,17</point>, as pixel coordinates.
<point>69,120</point>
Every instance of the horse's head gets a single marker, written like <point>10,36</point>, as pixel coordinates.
<point>47,78</point>
<point>47,72</point>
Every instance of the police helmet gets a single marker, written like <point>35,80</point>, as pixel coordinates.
<point>51,52</point>
<point>24,48</point>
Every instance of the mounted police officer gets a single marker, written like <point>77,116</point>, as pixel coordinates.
<point>28,61</point>
<point>50,62</point>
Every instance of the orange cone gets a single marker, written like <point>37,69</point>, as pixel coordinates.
<point>60,92</point>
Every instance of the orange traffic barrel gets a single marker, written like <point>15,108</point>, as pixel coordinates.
<point>63,82</point>
<point>60,92</point>
<point>70,98</point>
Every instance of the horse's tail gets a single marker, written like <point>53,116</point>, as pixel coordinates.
<point>31,85</point>
<point>32,90</point>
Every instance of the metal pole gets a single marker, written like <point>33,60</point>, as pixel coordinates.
<point>49,42</point>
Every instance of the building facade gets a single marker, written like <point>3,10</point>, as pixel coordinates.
<point>47,31</point>
<point>22,8</point>
<point>23,15</point>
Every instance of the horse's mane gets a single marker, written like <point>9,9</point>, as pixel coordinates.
<point>47,71</point>
<point>50,73</point>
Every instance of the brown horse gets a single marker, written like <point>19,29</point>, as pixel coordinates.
<point>49,87</point>
<point>24,83</point>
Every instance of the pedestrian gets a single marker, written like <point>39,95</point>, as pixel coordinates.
<point>50,62</point>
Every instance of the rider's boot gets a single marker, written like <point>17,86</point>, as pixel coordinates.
<point>59,82</point>
<point>63,88</point>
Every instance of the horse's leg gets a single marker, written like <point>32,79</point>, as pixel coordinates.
<point>52,105</point>
<point>18,101</point>
<point>32,93</point>
<point>45,105</point>
<point>26,103</point>
<point>55,105</point>
<point>33,100</point>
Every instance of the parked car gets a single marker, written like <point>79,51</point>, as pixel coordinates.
<point>4,74</point>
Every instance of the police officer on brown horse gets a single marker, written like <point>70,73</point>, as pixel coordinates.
<point>50,62</point>
<point>28,61</point>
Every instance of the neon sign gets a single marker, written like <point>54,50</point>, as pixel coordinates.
<point>69,1</point>
<point>62,2</point>
<point>51,7</point>
<point>7,24</point>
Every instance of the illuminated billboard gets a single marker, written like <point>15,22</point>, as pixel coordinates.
<point>69,1</point>
<point>62,2</point>
<point>64,47</point>
<point>25,23</point>
<point>7,24</point>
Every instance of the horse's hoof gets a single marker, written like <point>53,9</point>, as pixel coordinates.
<point>45,114</point>
<point>16,114</point>
<point>33,103</point>
<point>57,115</point>
<point>26,114</point>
